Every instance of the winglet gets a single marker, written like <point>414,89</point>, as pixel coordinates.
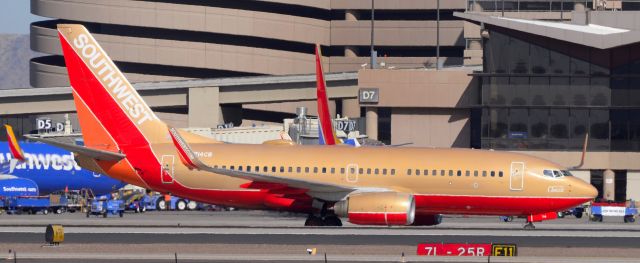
<point>14,146</point>
<point>187,156</point>
<point>327,134</point>
<point>584,152</point>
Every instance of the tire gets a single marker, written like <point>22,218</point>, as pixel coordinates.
<point>143,209</point>
<point>560,214</point>
<point>59,210</point>
<point>314,221</point>
<point>45,211</point>
<point>161,205</point>
<point>181,205</point>
<point>192,205</point>
<point>578,215</point>
<point>332,221</point>
<point>88,214</point>
<point>104,214</point>
<point>121,213</point>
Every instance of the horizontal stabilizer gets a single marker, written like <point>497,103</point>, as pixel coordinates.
<point>82,150</point>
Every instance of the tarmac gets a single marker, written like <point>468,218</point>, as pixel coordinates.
<point>259,236</point>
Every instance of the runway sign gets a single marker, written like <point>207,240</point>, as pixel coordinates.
<point>467,250</point>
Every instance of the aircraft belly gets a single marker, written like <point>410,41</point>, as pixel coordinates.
<point>492,205</point>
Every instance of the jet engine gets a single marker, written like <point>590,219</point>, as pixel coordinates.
<point>384,208</point>
<point>427,220</point>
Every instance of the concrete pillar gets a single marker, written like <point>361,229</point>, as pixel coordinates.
<point>476,7</point>
<point>204,107</point>
<point>579,6</point>
<point>350,108</point>
<point>351,15</point>
<point>633,185</point>
<point>609,185</point>
<point>475,44</point>
<point>372,123</point>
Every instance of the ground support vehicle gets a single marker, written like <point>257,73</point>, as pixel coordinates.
<point>161,202</point>
<point>35,204</point>
<point>105,207</point>
<point>602,209</point>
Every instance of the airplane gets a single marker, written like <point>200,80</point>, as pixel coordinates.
<point>51,169</point>
<point>124,139</point>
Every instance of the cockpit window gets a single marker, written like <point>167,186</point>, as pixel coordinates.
<point>567,173</point>
<point>556,173</point>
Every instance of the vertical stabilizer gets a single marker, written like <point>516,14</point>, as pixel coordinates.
<point>111,112</point>
<point>326,134</point>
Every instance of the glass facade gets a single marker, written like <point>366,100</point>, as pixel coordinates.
<point>547,94</point>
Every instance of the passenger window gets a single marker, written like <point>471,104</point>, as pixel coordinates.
<point>290,169</point>
<point>475,173</point>
<point>493,174</point>
<point>434,172</point>
<point>376,171</point>
<point>352,170</point>
<point>467,173</point>
<point>315,170</point>
<point>232,167</point>
<point>384,171</point>
<point>425,172</point>
<point>484,173</point>
<point>500,174</point>
<point>442,172</point>
<point>273,169</point>
<point>341,170</point>
<point>215,166</point>
<point>450,172</point>
<point>459,173</point>
<point>282,169</point>
<point>257,168</point>
<point>368,170</point>
<point>248,168</point>
<point>393,171</point>
<point>324,170</point>
<point>224,167</point>
<point>333,170</point>
<point>265,169</point>
<point>306,169</point>
<point>298,169</point>
<point>409,172</point>
<point>361,171</point>
<point>417,172</point>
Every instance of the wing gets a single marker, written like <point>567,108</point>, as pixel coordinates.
<point>82,150</point>
<point>316,189</point>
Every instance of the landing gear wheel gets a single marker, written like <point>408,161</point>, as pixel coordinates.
<point>192,205</point>
<point>181,205</point>
<point>529,226</point>
<point>332,220</point>
<point>314,221</point>
<point>161,205</point>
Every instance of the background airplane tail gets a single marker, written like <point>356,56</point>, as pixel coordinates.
<point>110,111</point>
<point>326,133</point>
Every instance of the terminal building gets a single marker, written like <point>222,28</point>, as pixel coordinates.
<point>526,76</point>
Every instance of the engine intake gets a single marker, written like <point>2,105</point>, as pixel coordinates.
<point>386,208</point>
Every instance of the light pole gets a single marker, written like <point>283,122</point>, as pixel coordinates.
<point>438,35</point>
<point>372,35</point>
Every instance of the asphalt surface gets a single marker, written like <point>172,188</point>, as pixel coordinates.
<point>250,236</point>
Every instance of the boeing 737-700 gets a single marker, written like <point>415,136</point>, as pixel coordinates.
<point>366,185</point>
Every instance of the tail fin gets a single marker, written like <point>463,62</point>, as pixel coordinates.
<point>110,111</point>
<point>14,146</point>
<point>326,134</point>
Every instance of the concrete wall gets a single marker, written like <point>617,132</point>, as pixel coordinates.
<point>449,88</point>
<point>422,127</point>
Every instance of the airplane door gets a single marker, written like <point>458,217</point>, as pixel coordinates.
<point>167,168</point>
<point>516,178</point>
<point>352,173</point>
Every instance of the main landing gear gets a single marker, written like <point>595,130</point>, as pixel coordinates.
<point>529,226</point>
<point>326,218</point>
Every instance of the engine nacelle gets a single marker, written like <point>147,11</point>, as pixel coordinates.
<point>427,220</point>
<point>385,208</point>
